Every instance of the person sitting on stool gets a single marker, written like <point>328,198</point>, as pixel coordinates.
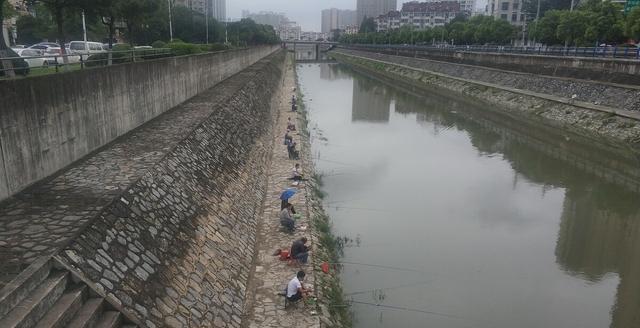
<point>285,218</point>
<point>296,174</point>
<point>295,288</point>
<point>300,251</point>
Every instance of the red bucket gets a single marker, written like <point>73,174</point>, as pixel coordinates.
<point>284,255</point>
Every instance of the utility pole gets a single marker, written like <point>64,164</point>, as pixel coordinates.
<point>84,33</point>
<point>170,22</point>
<point>206,18</point>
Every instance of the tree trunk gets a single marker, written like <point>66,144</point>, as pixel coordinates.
<point>6,64</point>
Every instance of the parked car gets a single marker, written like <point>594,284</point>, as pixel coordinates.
<point>45,45</point>
<point>33,57</point>
<point>88,48</point>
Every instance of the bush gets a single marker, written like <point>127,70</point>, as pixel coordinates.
<point>159,44</point>
<point>182,49</point>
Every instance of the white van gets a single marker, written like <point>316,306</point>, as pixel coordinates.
<point>78,47</point>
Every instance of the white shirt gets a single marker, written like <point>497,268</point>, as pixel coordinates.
<point>292,287</point>
<point>295,173</point>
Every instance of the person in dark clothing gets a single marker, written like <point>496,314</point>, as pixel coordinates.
<point>291,148</point>
<point>287,139</point>
<point>286,220</point>
<point>299,250</point>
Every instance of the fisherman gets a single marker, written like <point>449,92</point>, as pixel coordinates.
<point>290,125</point>
<point>294,107</point>
<point>299,250</point>
<point>285,218</point>
<point>287,138</point>
<point>293,153</point>
<point>295,289</point>
<point>296,173</point>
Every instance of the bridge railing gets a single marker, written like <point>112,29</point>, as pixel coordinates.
<point>589,52</point>
<point>49,64</point>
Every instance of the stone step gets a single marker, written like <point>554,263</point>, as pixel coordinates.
<point>65,309</point>
<point>109,319</point>
<point>88,314</point>
<point>33,307</point>
<point>128,326</point>
<point>24,283</point>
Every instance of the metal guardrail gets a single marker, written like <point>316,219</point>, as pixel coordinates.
<point>585,52</point>
<point>84,60</point>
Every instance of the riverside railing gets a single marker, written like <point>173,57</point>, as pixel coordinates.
<point>49,64</point>
<point>589,52</point>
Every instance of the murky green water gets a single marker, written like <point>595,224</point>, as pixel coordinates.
<point>480,220</point>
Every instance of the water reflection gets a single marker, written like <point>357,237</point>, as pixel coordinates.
<point>371,101</point>
<point>597,232</point>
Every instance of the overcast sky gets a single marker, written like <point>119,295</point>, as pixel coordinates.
<point>307,13</point>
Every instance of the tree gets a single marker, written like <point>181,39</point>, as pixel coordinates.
<point>632,24</point>
<point>59,9</point>
<point>135,13</point>
<point>572,26</point>
<point>368,25</point>
<point>546,29</point>
<point>605,21</point>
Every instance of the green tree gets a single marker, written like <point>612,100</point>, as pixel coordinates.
<point>60,9</point>
<point>606,23</point>
<point>368,25</point>
<point>632,24</point>
<point>546,29</point>
<point>572,26</point>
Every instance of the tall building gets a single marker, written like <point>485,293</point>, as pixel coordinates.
<point>267,18</point>
<point>509,10</point>
<point>333,19</point>
<point>419,15</point>
<point>374,8</point>
<point>215,8</point>
<point>466,6</point>
<point>218,10</point>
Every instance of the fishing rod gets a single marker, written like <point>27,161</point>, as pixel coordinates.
<point>360,209</point>
<point>402,308</point>
<point>379,266</point>
<point>390,288</point>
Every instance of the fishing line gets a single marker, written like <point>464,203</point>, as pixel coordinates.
<point>336,162</point>
<point>360,209</point>
<point>379,266</point>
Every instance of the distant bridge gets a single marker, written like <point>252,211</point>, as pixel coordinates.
<point>319,47</point>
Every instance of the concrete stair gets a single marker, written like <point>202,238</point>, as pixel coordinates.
<point>43,296</point>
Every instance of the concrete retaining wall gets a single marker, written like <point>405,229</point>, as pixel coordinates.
<point>626,71</point>
<point>48,122</point>
<point>598,93</point>
<point>175,249</point>
<point>578,117</point>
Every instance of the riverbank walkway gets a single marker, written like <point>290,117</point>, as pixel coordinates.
<point>264,307</point>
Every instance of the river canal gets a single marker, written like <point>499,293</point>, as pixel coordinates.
<point>461,217</point>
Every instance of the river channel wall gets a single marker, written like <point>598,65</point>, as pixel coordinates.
<point>175,249</point>
<point>48,122</point>
<point>521,94</point>
<point>616,70</point>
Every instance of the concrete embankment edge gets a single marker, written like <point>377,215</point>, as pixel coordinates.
<point>332,305</point>
<point>49,122</point>
<point>176,248</point>
<point>581,118</point>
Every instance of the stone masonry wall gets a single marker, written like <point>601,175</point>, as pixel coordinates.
<point>626,71</point>
<point>49,122</point>
<point>175,250</point>
<point>554,111</point>
<point>599,93</point>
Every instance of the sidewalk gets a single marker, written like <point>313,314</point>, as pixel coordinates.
<point>264,307</point>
